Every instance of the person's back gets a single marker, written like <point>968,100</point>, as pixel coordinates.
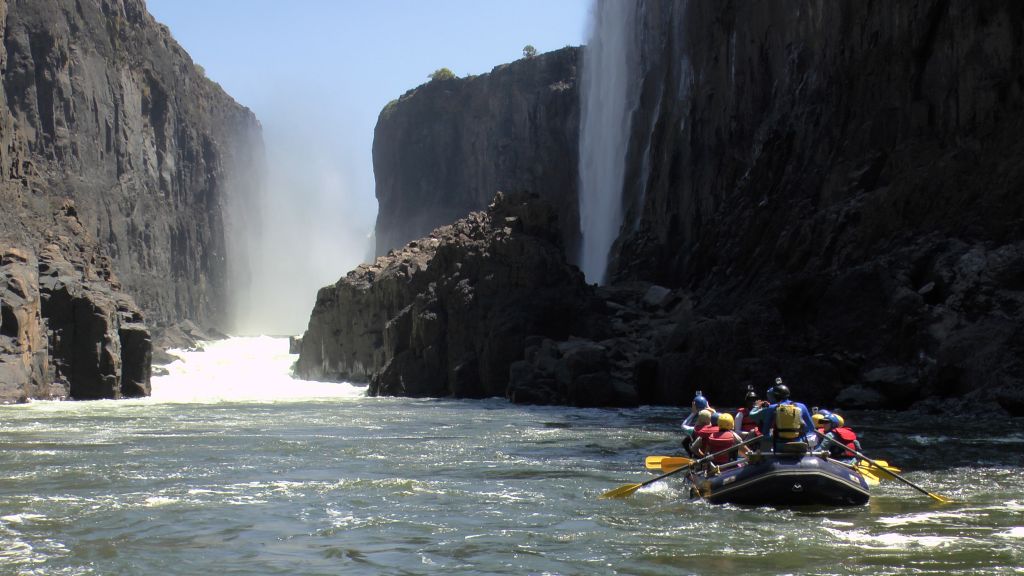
<point>715,439</point>
<point>840,440</point>
<point>788,421</point>
<point>745,420</point>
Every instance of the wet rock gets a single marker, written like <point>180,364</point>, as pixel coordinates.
<point>860,397</point>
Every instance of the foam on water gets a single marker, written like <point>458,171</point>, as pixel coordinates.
<point>241,369</point>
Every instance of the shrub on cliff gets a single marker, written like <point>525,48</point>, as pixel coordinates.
<point>442,74</point>
<point>529,51</point>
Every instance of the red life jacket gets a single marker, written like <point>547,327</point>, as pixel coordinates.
<point>748,424</point>
<point>722,440</point>
<point>848,438</point>
<point>704,432</point>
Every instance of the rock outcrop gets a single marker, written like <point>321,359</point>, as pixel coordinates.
<point>105,108</point>
<point>837,187</point>
<point>122,169</point>
<point>443,149</point>
<point>832,188</point>
<point>66,328</point>
<point>448,314</point>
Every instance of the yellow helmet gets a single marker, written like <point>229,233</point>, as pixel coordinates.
<point>726,422</point>
<point>840,419</point>
<point>817,418</point>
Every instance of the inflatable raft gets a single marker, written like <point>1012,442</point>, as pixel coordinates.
<point>786,480</point>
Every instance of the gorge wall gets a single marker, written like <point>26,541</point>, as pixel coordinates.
<point>120,161</point>
<point>444,148</point>
<point>826,189</point>
<point>836,185</point>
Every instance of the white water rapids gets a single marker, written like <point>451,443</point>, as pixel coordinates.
<point>241,369</point>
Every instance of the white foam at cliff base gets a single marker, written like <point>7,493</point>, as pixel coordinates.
<point>1015,532</point>
<point>241,369</point>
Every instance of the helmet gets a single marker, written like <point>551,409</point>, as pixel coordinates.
<point>835,419</point>
<point>700,401</point>
<point>818,418</point>
<point>780,391</point>
<point>751,395</point>
<point>726,422</point>
<point>714,419</point>
<point>704,416</point>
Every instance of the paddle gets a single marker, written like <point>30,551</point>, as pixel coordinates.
<point>666,463</point>
<point>627,489</point>
<point>936,497</point>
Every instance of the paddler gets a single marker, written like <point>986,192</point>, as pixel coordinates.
<point>721,439</point>
<point>690,423</point>
<point>788,421</point>
<point>839,438</point>
<point>746,423</point>
<point>702,429</point>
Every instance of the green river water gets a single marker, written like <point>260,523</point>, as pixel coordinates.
<point>232,468</point>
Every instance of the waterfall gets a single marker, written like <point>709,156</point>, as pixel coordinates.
<point>607,97</point>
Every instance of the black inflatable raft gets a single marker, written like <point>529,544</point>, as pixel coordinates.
<point>787,480</point>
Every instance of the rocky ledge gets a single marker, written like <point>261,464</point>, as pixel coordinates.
<point>449,314</point>
<point>66,327</point>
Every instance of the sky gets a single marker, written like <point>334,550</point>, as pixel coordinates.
<point>317,73</point>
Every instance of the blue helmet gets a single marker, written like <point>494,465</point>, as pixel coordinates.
<point>700,401</point>
<point>714,419</point>
<point>835,419</point>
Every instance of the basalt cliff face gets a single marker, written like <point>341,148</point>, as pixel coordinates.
<point>443,149</point>
<point>119,162</point>
<point>827,190</point>
<point>837,186</point>
<point>448,314</point>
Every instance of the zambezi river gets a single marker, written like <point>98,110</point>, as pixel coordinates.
<point>232,467</point>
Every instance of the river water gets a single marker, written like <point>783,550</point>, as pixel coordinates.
<point>233,468</point>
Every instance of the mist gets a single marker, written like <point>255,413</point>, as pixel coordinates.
<point>312,223</point>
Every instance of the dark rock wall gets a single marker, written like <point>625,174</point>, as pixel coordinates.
<point>443,149</point>
<point>838,185</point>
<point>448,314</point>
<point>114,115</point>
<point>122,169</point>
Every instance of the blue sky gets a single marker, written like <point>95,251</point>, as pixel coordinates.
<point>317,73</point>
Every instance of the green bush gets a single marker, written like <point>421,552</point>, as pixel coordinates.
<point>442,74</point>
<point>529,51</point>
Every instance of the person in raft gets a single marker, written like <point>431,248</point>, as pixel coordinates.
<point>690,423</point>
<point>722,439</point>
<point>840,439</point>
<point>745,422</point>
<point>787,420</point>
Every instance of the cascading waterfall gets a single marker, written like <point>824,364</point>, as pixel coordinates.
<point>607,99</point>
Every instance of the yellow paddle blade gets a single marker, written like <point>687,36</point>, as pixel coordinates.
<point>870,478</point>
<point>666,463</point>
<point>654,462</point>
<point>621,491</point>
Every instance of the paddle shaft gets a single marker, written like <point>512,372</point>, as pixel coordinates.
<point>893,474</point>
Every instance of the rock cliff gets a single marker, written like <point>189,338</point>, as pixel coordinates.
<point>448,314</point>
<point>836,185</point>
<point>119,163</point>
<point>443,149</point>
<point>829,186</point>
